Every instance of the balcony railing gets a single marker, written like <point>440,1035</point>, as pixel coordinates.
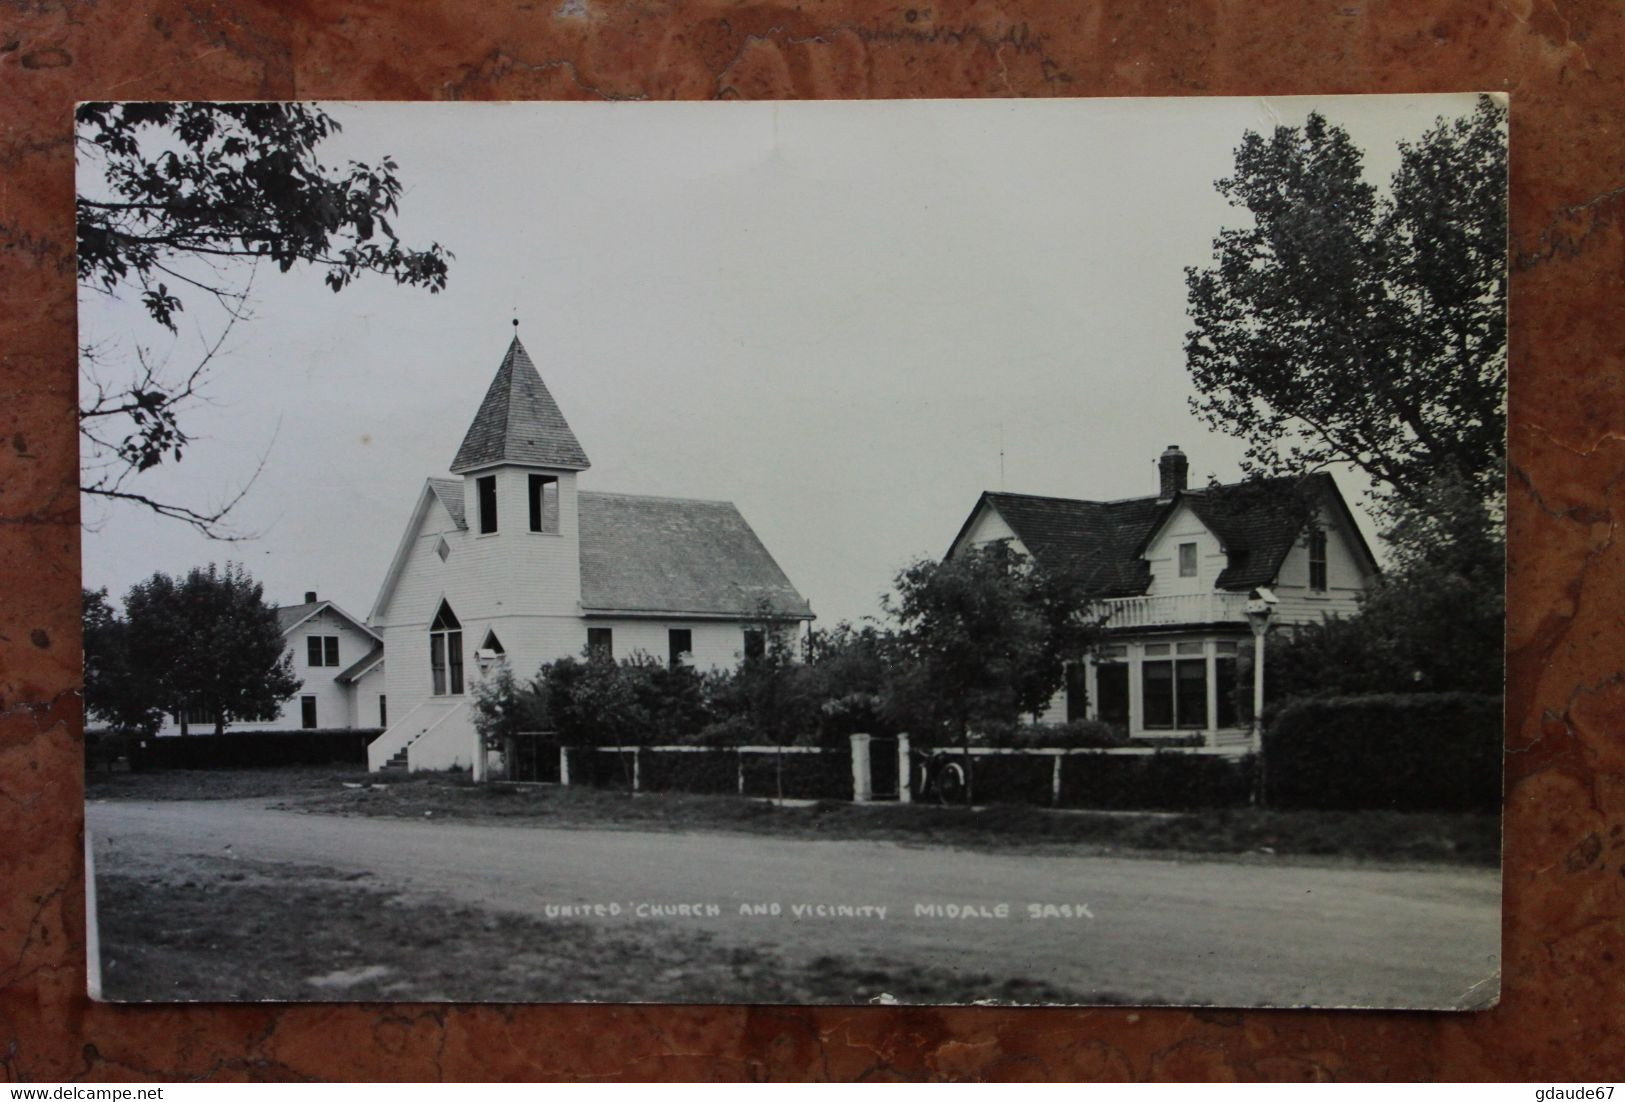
<point>1173,609</point>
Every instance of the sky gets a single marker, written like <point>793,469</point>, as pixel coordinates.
<point>848,318</point>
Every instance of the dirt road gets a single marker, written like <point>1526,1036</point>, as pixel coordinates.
<point>1125,929</point>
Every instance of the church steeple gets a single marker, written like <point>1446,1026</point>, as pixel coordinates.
<point>519,423</point>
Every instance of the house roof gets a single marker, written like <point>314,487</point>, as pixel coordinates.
<point>289,617</point>
<point>677,556</point>
<point>1103,542</point>
<point>519,422</point>
<point>355,669</point>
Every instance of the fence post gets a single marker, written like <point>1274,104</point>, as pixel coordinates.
<point>1055,782</point>
<point>905,771</point>
<point>637,762</point>
<point>739,762</point>
<point>862,783</point>
<point>564,766</point>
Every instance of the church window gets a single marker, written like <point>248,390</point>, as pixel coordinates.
<point>446,653</point>
<point>487,487</point>
<point>681,644</point>
<point>544,503</point>
<point>600,643</point>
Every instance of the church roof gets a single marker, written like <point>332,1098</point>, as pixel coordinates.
<point>677,556</point>
<point>449,492</point>
<point>1102,541</point>
<point>667,555</point>
<point>519,422</point>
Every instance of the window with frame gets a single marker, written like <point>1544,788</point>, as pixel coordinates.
<point>755,643</point>
<point>544,503</point>
<point>1173,690</point>
<point>1227,682</point>
<point>446,653</point>
<point>322,650</point>
<point>307,712</point>
<point>383,710</point>
<point>486,490</point>
<point>680,645</point>
<point>1187,560</point>
<point>1317,561</point>
<point>600,643</point>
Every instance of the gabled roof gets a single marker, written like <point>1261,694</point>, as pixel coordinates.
<point>289,617</point>
<point>449,492</point>
<point>643,555</point>
<point>519,422</point>
<point>1101,542</point>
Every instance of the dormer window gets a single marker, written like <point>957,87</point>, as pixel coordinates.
<point>1187,560</point>
<point>1317,561</point>
<point>486,485</point>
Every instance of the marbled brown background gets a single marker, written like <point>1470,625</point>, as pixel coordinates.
<point>1560,1017</point>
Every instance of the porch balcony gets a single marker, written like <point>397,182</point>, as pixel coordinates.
<point>1172,610</point>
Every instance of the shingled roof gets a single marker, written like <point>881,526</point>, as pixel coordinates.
<point>449,492</point>
<point>519,422</point>
<point>1103,541</point>
<point>677,556</point>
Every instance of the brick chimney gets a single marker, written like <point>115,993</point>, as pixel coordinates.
<point>1172,469</point>
<point>310,594</point>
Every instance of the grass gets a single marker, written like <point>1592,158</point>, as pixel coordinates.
<point>221,784</point>
<point>215,929</point>
<point>1376,835</point>
<point>1258,834</point>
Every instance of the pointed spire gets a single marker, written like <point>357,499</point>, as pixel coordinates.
<point>519,422</point>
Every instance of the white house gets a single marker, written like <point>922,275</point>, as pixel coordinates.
<point>1174,575</point>
<point>508,561</point>
<point>340,663</point>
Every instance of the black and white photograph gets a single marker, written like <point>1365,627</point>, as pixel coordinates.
<point>928,552</point>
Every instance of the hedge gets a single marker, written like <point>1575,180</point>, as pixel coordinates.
<point>1166,780</point>
<point>1014,778</point>
<point>1399,752</point>
<point>821,776</point>
<point>253,749</point>
<point>706,771</point>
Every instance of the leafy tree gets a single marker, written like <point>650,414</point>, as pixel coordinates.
<point>115,691</point>
<point>981,638</point>
<point>173,198</point>
<point>208,641</point>
<point>1346,326</point>
<point>503,707</point>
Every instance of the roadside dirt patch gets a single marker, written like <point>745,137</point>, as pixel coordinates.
<point>218,929</point>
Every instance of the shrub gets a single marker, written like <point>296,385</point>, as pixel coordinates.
<point>710,771</point>
<point>1162,781</point>
<point>1403,752</point>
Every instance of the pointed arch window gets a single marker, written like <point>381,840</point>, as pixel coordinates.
<point>446,652</point>
<point>493,644</point>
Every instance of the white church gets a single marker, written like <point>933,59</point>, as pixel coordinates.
<point>508,561</point>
